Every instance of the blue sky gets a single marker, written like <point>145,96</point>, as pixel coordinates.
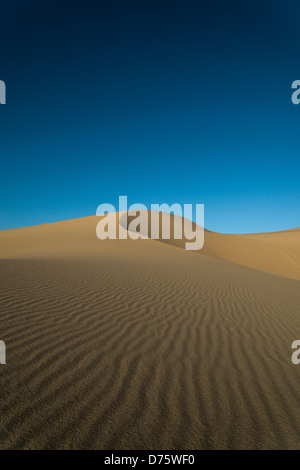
<point>162,101</point>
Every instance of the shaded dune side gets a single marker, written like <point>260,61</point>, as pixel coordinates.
<point>155,351</point>
<point>276,253</point>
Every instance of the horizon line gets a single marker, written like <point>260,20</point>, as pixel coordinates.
<point>149,210</point>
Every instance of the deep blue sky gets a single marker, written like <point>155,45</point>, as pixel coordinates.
<point>163,101</point>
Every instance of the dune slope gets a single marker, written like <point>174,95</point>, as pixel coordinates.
<point>276,253</point>
<point>124,344</point>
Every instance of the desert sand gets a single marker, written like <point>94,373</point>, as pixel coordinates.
<point>123,344</point>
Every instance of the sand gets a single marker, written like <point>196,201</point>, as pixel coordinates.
<point>123,344</point>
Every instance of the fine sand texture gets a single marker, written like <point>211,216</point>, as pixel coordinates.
<point>140,344</point>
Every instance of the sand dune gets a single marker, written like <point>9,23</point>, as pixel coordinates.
<point>275,253</point>
<point>123,344</point>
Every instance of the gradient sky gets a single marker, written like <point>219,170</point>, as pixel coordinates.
<point>162,101</point>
